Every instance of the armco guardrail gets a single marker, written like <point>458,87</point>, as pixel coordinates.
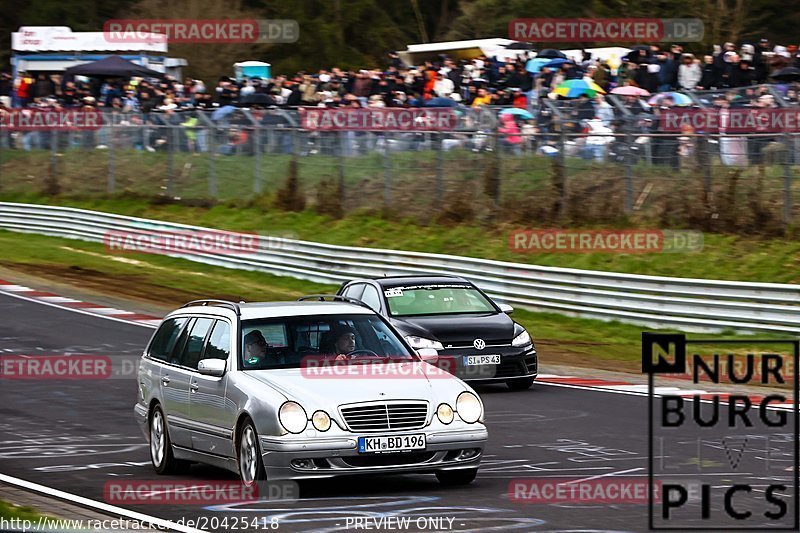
<point>692,304</point>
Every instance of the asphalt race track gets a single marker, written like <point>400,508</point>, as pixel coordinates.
<point>78,435</point>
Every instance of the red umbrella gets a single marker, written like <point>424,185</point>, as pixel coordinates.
<point>630,90</point>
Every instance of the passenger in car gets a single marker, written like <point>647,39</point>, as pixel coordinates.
<point>255,348</point>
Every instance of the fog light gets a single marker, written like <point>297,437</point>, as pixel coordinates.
<point>303,464</point>
<point>468,454</point>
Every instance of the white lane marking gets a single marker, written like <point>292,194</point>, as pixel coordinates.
<point>100,506</point>
<point>81,311</point>
<point>604,475</point>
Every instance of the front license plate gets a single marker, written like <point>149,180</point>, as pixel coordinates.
<point>400,443</point>
<point>474,360</point>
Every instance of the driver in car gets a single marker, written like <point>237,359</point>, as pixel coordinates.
<point>344,342</point>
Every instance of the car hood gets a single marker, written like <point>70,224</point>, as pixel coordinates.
<point>327,389</point>
<point>491,327</point>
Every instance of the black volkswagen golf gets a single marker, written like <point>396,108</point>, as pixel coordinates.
<point>475,338</point>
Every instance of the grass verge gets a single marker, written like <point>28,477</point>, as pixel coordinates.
<point>9,510</point>
<point>726,257</point>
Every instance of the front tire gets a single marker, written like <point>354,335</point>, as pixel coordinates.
<point>251,465</point>
<point>456,477</point>
<point>161,455</point>
<point>520,383</point>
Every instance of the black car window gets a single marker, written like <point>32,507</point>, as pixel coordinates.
<point>194,343</point>
<point>436,300</point>
<point>315,337</point>
<point>371,298</point>
<point>354,291</point>
<point>165,337</point>
<point>219,343</point>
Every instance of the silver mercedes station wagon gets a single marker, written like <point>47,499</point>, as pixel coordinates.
<point>307,389</point>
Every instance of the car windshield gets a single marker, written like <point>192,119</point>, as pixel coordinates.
<point>436,300</point>
<point>289,342</point>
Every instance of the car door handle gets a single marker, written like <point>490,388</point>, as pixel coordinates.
<point>165,380</point>
<point>194,386</point>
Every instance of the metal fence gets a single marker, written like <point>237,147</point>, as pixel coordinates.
<point>570,172</point>
<point>691,304</point>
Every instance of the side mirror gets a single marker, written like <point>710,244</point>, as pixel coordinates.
<point>429,355</point>
<point>211,367</point>
<point>507,309</point>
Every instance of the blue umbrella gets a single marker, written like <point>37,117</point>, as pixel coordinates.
<point>680,99</point>
<point>517,111</point>
<point>535,65</point>
<point>556,62</point>
<point>441,102</point>
<point>222,112</point>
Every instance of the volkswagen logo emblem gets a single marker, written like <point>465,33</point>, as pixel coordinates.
<point>479,344</point>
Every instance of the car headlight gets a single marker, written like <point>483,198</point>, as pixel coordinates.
<point>445,413</point>
<point>419,343</point>
<point>293,417</point>
<point>469,407</point>
<point>522,339</point>
<point>321,420</point>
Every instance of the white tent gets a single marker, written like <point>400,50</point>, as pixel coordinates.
<point>416,53</point>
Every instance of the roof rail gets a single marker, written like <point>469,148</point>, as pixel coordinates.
<point>333,298</point>
<point>221,303</point>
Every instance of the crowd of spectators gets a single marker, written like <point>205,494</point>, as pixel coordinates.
<point>483,81</point>
<point>479,82</point>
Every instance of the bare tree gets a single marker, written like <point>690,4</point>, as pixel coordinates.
<point>207,61</point>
